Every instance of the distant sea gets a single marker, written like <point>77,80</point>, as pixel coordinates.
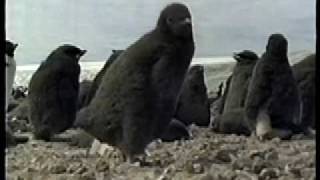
<point>90,68</point>
<point>216,68</point>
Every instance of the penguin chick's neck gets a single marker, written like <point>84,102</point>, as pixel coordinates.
<point>276,57</point>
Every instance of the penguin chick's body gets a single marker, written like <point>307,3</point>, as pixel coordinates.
<point>53,92</point>
<point>97,80</point>
<point>273,92</point>
<point>193,104</point>
<point>136,99</point>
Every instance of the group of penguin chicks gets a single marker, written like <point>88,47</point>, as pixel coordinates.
<point>134,98</point>
<point>268,96</point>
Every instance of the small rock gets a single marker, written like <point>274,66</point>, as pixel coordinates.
<point>100,176</point>
<point>244,175</point>
<point>104,148</point>
<point>81,170</point>
<point>206,177</point>
<point>88,176</point>
<point>227,175</point>
<point>94,147</point>
<point>198,168</point>
<point>272,156</point>
<point>224,156</point>
<point>308,173</point>
<point>241,163</point>
<point>258,165</point>
<point>276,140</point>
<point>269,173</point>
<point>286,178</point>
<point>256,153</point>
<point>293,170</point>
<point>102,166</point>
<point>194,168</point>
<point>57,169</point>
<point>73,168</point>
<point>167,173</point>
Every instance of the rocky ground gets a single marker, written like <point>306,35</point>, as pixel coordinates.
<point>207,156</point>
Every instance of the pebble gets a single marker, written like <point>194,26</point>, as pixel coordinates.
<point>258,165</point>
<point>241,163</point>
<point>57,169</point>
<point>268,173</point>
<point>272,156</point>
<point>94,147</point>
<point>225,156</point>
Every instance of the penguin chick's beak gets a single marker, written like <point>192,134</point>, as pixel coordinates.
<point>82,52</point>
<point>15,46</point>
<point>186,21</point>
<point>236,56</point>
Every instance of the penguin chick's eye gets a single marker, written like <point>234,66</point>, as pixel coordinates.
<point>169,20</point>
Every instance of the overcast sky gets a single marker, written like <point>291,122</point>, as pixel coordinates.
<point>220,26</point>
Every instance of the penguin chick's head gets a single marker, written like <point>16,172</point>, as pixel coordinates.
<point>175,20</point>
<point>245,56</point>
<point>277,45</point>
<point>10,48</point>
<point>71,51</point>
<point>196,78</point>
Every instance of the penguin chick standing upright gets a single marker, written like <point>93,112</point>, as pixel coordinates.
<point>193,105</point>
<point>241,75</point>
<point>232,119</point>
<point>273,106</point>
<point>53,92</point>
<point>136,99</point>
<point>10,69</point>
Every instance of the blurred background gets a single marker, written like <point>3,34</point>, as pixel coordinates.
<point>220,27</point>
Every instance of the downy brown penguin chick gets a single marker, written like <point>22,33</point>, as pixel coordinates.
<point>241,75</point>
<point>304,73</point>
<point>136,99</point>
<point>97,80</point>
<point>232,121</point>
<point>53,92</point>
<point>193,104</point>
<point>273,104</point>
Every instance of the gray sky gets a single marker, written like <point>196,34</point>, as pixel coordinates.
<point>220,26</point>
